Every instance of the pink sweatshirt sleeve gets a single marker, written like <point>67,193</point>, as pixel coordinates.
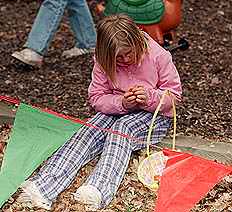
<point>168,80</point>
<point>101,96</point>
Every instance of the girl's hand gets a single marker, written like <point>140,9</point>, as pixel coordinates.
<point>141,95</point>
<point>129,100</point>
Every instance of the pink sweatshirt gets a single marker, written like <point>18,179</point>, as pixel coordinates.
<point>156,73</point>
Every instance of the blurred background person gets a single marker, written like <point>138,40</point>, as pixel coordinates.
<point>46,24</point>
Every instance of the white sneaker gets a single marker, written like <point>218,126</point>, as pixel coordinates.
<point>90,196</point>
<point>74,52</point>
<point>32,194</point>
<point>28,56</point>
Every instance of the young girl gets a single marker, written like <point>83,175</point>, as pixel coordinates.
<point>130,74</point>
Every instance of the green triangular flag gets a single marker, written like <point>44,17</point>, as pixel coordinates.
<point>35,136</point>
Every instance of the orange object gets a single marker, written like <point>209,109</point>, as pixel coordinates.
<point>156,17</point>
<point>170,20</point>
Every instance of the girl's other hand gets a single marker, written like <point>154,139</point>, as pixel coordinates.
<point>141,95</point>
<point>129,100</point>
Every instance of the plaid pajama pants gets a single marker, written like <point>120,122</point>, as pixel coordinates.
<point>62,168</point>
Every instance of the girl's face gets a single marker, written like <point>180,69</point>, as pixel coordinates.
<point>125,56</point>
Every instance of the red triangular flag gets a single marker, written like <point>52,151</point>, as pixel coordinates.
<point>186,180</point>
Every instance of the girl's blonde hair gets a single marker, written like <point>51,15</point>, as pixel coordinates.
<point>113,33</point>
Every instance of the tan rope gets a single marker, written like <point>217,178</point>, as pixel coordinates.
<point>174,123</point>
<point>152,125</point>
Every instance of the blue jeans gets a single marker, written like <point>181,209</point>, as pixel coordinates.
<point>49,18</point>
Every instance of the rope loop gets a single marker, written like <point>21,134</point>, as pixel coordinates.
<point>152,125</point>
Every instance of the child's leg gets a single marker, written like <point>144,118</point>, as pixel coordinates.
<point>83,27</point>
<point>115,157</point>
<point>161,126</point>
<point>60,170</point>
<point>45,25</point>
<point>82,24</point>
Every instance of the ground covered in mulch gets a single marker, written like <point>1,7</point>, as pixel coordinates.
<point>61,85</point>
